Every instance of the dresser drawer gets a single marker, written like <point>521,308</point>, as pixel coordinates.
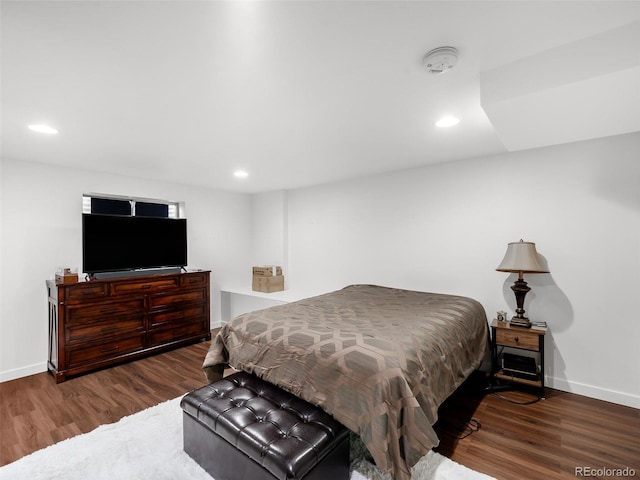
<point>178,316</point>
<point>192,296</point>
<point>520,339</point>
<point>85,291</point>
<point>77,356</point>
<point>162,336</point>
<point>103,311</point>
<point>146,286</point>
<point>86,332</point>
<point>194,279</point>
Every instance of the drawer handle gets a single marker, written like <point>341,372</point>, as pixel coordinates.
<point>109,310</point>
<point>193,280</point>
<point>146,286</point>
<point>109,329</point>
<point>108,350</point>
<point>516,339</point>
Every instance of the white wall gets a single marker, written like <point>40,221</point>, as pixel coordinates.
<point>445,228</point>
<point>41,225</point>
<point>441,228</point>
<point>269,229</point>
<point>268,236</point>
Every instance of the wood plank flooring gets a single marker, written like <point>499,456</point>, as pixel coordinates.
<point>545,440</point>
<point>548,439</point>
<point>36,412</point>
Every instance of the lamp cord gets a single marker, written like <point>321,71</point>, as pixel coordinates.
<point>528,402</point>
<point>472,426</point>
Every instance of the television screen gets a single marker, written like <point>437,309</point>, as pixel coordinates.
<point>113,243</point>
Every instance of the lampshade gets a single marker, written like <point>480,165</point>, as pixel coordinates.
<point>521,257</point>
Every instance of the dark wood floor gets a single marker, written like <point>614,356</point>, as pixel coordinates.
<point>548,439</point>
<point>36,412</point>
<point>545,440</point>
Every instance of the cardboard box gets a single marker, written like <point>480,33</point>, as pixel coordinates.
<point>66,276</point>
<point>268,284</point>
<point>267,271</point>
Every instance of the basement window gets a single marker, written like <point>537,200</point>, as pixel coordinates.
<point>130,206</point>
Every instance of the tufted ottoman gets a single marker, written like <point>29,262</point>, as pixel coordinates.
<point>243,428</point>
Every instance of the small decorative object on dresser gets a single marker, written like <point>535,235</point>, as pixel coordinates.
<point>66,275</point>
<point>501,316</point>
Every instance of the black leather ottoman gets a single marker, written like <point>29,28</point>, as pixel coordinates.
<point>243,428</point>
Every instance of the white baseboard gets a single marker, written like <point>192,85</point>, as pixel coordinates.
<point>23,372</point>
<point>620,398</point>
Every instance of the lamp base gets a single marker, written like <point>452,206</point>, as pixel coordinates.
<point>520,322</point>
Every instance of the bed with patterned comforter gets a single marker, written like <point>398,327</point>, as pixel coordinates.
<point>380,360</point>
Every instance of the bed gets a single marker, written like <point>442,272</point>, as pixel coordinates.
<point>380,360</point>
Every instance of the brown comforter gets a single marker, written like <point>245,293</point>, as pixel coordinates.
<point>380,360</point>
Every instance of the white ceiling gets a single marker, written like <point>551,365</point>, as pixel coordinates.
<point>297,93</point>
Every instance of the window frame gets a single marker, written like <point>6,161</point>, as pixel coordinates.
<point>175,209</point>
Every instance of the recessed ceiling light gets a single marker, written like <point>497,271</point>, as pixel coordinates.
<point>42,128</point>
<point>448,121</point>
<point>240,174</point>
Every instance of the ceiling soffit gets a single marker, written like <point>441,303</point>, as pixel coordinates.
<point>585,89</point>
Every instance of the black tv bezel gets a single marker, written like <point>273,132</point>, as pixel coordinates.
<point>120,265</point>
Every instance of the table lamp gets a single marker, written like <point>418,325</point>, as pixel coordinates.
<point>521,258</point>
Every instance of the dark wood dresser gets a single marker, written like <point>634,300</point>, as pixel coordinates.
<point>99,323</point>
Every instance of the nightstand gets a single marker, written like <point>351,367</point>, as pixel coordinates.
<point>505,337</point>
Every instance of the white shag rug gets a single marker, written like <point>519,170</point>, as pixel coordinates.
<point>148,444</point>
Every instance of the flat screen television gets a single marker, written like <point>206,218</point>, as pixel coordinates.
<point>117,243</point>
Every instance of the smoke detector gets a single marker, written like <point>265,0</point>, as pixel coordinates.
<point>440,60</point>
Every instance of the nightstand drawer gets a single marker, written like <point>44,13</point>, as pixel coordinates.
<point>519,339</point>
